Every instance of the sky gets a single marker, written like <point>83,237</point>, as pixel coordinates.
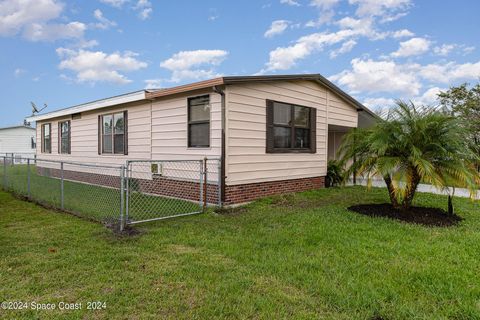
<point>64,53</point>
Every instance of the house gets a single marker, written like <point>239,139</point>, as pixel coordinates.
<point>17,140</point>
<point>273,134</point>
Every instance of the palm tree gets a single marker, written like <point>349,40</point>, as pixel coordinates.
<point>412,145</point>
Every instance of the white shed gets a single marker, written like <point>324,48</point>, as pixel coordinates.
<point>19,140</point>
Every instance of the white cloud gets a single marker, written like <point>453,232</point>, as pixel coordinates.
<point>404,33</point>
<point>370,76</point>
<point>347,46</point>
<point>16,14</point>
<point>429,97</point>
<point>115,3</point>
<point>378,76</point>
<point>324,4</point>
<point>444,49</point>
<point>103,22</point>
<point>277,27</point>
<point>449,72</point>
<point>54,31</point>
<point>290,2</point>
<point>144,8</point>
<point>384,8</point>
<point>19,72</point>
<point>412,47</point>
<point>194,65</point>
<point>284,58</point>
<point>378,103</point>
<point>97,66</point>
<point>153,83</point>
<point>32,19</point>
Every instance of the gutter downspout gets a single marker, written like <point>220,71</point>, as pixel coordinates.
<point>221,92</point>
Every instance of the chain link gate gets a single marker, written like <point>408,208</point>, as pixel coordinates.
<point>157,190</point>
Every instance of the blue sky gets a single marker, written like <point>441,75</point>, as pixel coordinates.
<point>68,52</point>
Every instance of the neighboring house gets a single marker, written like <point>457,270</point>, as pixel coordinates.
<point>18,140</point>
<point>274,134</point>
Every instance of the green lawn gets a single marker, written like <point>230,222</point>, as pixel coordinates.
<point>302,256</point>
<point>90,201</point>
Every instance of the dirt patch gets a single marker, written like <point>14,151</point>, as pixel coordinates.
<point>432,217</point>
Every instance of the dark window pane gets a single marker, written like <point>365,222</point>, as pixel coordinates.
<point>199,135</point>
<point>302,117</point>
<point>48,145</point>
<point>199,101</point>
<point>302,138</point>
<point>281,113</point>
<point>282,137</point>
<point>64,126</point>
<point>107,124</point>
<point>119,123</point>
<point>119,143</point>
<point>199,113</point>
<point>64,145</point>
<point>107,143</point>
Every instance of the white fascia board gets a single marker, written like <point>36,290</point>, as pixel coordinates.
<point>98,104</point>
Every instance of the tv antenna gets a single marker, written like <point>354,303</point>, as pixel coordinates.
<point>35,109</point>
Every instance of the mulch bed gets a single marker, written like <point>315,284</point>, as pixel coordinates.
<point>432,217</point>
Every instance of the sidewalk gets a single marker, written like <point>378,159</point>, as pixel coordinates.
<point>459,192</point>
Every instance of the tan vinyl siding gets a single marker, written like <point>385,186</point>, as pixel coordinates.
<point>170,129</point>
<point>84,139</point>
<point>247,160</point>
<point>340,112</point>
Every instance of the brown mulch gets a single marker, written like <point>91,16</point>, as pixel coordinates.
<point>431,217</point>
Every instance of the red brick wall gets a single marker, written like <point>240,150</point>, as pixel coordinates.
<point>249,192</point>
<point>189,190</point>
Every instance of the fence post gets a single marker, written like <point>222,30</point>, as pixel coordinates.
<point>35,158</point>
<point>205,184</point>
<point>61,186</point>
<point>127,201</point>
<point>122,195</point>
<point>28,178</point>
<point>200,200</point>
<point>219,184</point>
<point>5,173</point>
<point>13,159</point>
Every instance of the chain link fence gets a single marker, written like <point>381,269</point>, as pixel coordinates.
<point>159,190</point>
<point>90,191</point>
<point>116,196</point>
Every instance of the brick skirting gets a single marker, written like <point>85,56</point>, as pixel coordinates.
<point>252,191</point>
<point>190,190</point>
<point>163,186</point>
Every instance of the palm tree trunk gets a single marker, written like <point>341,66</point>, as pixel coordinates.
<point>411,189</point>
<point>391,191</point>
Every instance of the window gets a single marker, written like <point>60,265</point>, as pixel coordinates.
<point>33,144</point>
<point>46,138</point>
<point>199,122</point>
<point>113,133</point>
<point>64,137</point>
<point>290,128</point>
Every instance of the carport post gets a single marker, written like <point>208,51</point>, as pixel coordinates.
<point>28,178</point>
<point>61,186</point>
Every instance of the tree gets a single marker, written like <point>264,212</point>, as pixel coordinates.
<point>412,145</point>
<point>464,103</point>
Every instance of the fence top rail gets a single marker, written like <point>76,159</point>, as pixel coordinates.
<point>186,160</point>
<point>82,164</point>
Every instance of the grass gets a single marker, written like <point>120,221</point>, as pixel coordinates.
<point>301,256</point>
<point>90,201</point>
